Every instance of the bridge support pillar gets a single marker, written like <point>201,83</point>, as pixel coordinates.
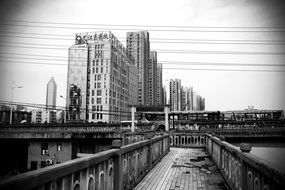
<point>166,110</point>
<point>133,109</point>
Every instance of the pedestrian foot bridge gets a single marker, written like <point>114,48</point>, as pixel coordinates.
<point>183,169</point>
<point>165,160</point>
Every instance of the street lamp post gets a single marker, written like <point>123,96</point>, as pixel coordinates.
<point>65,110</point>
<point>12,93</point>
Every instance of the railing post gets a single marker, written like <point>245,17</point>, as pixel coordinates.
<point>245,148</point>
<point>133,118</point>
<point>222,138</point>
<point>166,109</point>
<point>149,137</point>
<point>212,142</point>
<point>118,167</point>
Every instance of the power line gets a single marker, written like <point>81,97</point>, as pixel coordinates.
<point>162,42</point>
<point>36,44</point>
<point>234,70</point>
<point>34,37</point>
<point>176,26</point>
<point>171,51</point>
<point>107,28</point>
<point>158,39</point>
<point>217,64</point>
<point>174,68</point>
<point>60,108</point>
<point>12,53</point>
<point>163,62</point>
<point>186,28</point>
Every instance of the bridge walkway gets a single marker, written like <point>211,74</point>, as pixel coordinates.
<point>183,168</point>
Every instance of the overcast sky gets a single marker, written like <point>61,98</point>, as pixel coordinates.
<point>222,89</point>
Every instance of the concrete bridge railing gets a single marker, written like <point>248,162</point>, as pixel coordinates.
<point>121,167</point>
<point>188,140</point>
<point>239,131</point>
<point>243,170</point>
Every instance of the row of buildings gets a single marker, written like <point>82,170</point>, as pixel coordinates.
<point>47,113</point>
<point>184,98</point>
<point>104,77</point>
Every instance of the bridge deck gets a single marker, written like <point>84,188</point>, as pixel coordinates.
<point>183,169</point>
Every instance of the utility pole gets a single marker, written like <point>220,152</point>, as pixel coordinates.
<point>12,93</point>
<point>65,110</point>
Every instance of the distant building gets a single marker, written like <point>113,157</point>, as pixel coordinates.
<point>203,104</point>
<point>195,101</point>
<point>46,153</point>
<point>187,98</point>
<point>19,114</point>
<point>175,98</point>
<point>198,102</point>
<point>51,94</point>
<point>138,46</point>
<point>159,87</point>
<point>152,79</point>
<point>43,116</point>
<point>184,98</point>
<point>102,79</point>
<point>164,95</point>
<point>60,116</point>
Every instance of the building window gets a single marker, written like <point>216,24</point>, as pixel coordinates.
<point>44,148</point>
<point>34,165</point>
<point>99,92</point>
<point>98,100</point>
<point>43,164</point>
<point>92,92</point>
<point>59,147</point>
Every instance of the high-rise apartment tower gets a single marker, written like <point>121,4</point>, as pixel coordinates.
<point>138,46</point>
<point>102,79</point>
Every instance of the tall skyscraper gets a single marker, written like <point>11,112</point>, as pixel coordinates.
<point>164,96</point>
<point>51,94</point>
<point>198,103</point>
<point>159,88</point>
<point>203,104</point>
<point>187,99</point>
<point>138,46</point>
<point>175,98</point>
<point>152,79</point>
<point>102,79</point>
